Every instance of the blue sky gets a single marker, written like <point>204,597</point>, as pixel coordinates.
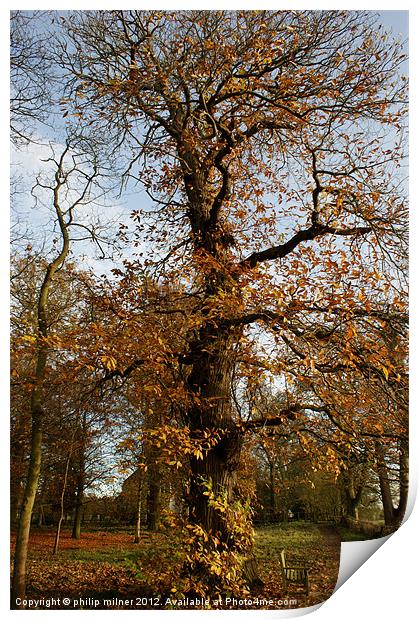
<point>397,21</point>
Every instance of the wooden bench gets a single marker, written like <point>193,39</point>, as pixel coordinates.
<point>296,575</point>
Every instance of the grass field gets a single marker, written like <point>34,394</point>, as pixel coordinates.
<point>105,569</point>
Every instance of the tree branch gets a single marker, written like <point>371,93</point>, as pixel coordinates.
<point>123,374</point>
<point>290,413</point>
<point>309,234</point>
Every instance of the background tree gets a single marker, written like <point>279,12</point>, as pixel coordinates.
<point>73,166</point>
<point>31,75</point>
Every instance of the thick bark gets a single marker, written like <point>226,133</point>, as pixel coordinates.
<point>210,381</point>
<point>213,505</point>
<point>212,359</point>
<point>216,469</point>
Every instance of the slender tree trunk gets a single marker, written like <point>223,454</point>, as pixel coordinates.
<point>61,518</point>
<point>153,503</point>
<point>404,480</point>
<point>386,498</point>
<point>76,531</point>
<point>81,477</point>
<point>22,536</point>
<point>137,534</point>
<point>41,518</point>
<point>36,405</point>
<point>271,489</point>
<point>17,461</point>
<point>153,487</point>
<point>16,497</point>
<point>40,502</point>
<point>78,513</point>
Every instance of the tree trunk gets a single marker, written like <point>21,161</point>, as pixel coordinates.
<point>34,470</point>
<point>211,358</point>
<point>352,508</point>
<point>36,408</point>
<point>153,483</point>
<point>41,518</point>
<point>61,518</point>
<point>18,471</point>
<point>16,498</point>
<point>250,571</point>
<point>210,380</point>
<point>76,531</point>
<point>81,476</point>
<point>271,489</point>
<point>393,516</point>
<point>404,480</point>
<point>386,498</point>
<point>137,534</point>
<point>78,513</point>
<point>22,536</point>
<point>213,471</point>
<point>353,498</point>
<point>153,501</point>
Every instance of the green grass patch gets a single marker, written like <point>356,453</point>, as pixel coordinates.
<point>298,536</point>
<point>348,535</point>
<point>111,555</point>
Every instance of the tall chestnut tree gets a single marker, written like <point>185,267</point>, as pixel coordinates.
<point>269,144</point>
